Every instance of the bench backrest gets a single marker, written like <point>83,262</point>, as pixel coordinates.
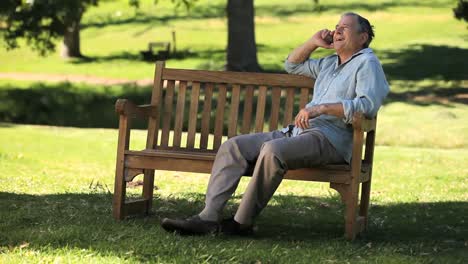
<point>201,103</point>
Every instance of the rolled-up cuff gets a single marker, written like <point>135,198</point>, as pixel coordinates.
<point>290,66</point>
<point>348,110</point>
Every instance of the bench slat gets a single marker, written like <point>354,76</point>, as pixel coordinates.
<point>275,107</point>
<point>235,98</point>
<point>179,114</point>
<point>202,162</point>
<point>153,123</point>
<point>192,127</point>
<point>260,115</point>
<point>288,112</point>
<point>218,131</point>
<point>268,79</point>
<point>304,97</point>
<point>168,101</point>
<point>247,116</point>
<point>205,126</point>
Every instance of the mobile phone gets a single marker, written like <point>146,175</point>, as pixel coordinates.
<point>329,39</point>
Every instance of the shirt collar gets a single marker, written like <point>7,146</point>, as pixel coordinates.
<point>362,51</point>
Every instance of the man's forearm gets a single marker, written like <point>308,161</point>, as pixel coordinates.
<point>301,53</point>
<point>334,109</point>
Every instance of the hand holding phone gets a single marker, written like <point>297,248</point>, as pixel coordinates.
<point>329,38</point>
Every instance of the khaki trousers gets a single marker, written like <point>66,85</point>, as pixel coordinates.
<point>267,157</point>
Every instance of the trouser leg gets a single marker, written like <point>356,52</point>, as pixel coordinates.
<point>275,158</point>
<point>232,161</point>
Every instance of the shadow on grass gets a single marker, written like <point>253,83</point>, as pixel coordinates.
<point>419,62</point>
<point>84,221</point>
<point>218,10</point>
<point>206,55</point>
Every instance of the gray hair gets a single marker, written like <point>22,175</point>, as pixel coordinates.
<point>363,26</point>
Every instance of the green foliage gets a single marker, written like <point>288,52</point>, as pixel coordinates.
<point>40,22</point>
<point>461,11</point>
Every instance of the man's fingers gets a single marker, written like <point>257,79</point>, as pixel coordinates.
<point>324,34</point>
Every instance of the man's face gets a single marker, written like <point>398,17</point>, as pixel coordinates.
<point>347,39</point>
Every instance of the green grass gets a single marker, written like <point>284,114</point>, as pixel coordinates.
<point>56,182</point>
<point>55,201</point>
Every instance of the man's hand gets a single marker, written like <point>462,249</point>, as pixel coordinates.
<point>323,38</point>
<point>302,118</point>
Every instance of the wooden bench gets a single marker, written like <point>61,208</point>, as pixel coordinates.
<point>211,102</point>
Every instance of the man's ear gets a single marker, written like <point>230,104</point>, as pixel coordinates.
<point>364,36</point>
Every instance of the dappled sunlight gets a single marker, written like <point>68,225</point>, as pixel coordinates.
<point>58,140</point>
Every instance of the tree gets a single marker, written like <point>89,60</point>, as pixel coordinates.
<point>461,11</point>
<point>41,22</point>
<point>242,48</point>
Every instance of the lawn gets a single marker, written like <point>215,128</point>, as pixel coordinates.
<point>58,143</point>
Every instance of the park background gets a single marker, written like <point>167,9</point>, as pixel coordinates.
<point>58,140</point>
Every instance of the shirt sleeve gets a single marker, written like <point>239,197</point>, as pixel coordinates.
<point>310,67</point>
<point>371,90</point>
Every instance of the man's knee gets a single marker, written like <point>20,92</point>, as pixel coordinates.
<point>228,145</point>
<point>273,149</point>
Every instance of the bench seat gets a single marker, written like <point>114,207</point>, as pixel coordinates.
<point>210,106</point>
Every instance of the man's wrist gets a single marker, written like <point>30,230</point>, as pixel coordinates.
<point>315,111</point>
<point>310,46</point>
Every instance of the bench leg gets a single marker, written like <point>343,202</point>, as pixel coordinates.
<point>350,199</point>
<point>148,187</point>
<point>118,203</point>
<point>364,205</point>
<point>123,208</point>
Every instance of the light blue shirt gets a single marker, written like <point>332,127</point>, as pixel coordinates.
<point>359,84</point>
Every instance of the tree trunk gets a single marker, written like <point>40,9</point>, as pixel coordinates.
<point>242,49</point>
<point>71,40</point>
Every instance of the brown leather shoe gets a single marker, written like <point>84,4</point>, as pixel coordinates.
<point>190,226</point>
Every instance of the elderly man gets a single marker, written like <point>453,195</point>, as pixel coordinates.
<point>352,80</point>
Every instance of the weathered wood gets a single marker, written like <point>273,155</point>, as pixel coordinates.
<point>366,186</point>
<point>260,115</point>
<point>167,114</point>
<point>219,119</point>
<point>247,116</point>
<point>205,125</point>
<point>192,128</point>
<point>235,99</point>
<point>352,198</point>
<point>346,179</point>
<point>119,185</point>
<point>189,164</point>
<point>249,78</point>
<point>289,107</point>
<point>132,173</point>
<point>139,206</point>
<point>179,114</point>
<point>275,107</point>
<point>126,107</point>
<point>153,122</point>
<point>304,99</point>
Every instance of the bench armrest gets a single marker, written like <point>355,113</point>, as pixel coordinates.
<point>127,108</point>
<point>360,122</point>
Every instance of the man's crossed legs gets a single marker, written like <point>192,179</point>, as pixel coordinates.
<point>267,157</point>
